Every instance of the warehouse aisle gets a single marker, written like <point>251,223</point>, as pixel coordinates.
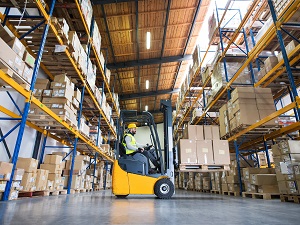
<point>185,208</point>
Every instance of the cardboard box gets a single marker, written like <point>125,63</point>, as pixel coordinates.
<point>56,178</point>
<point>234,187</point>
<point>191,132</point>
<point>27,73</point>
<point>2,185</point>
<point>41,180</point>
<point>10,59</point>
<point>63,93</point>
<point>53,168</point>
<point>78,165</point>
<point>17,46</point>
<point>29,59</point>
<point>60,101</point>
<point>285,177</point>
<point>221,152</point>
<point>242,92</point>
<point>5,170</point>
<point>42,83</point>
<point>224,187</point>
<point>232,179</point>
<point>247,116</point>
<point>289,146</point>
<point>28,181</point>
<point>18,175</point>
<point>207,132</point>
<point>199,132</point>
<point>270,63</point>
<point>205,152</point>
<point>206,183</point>
<point>215,132</point>
<point>28,164</point>
<point>266,112</point>
<point>223,119</point>
<point>242,107</point>
<point>243,163</point>
<point>53,159</point>
<point>62,78</point>
<point>250,170</point>
<point>268,189</point>
<point>188,152</point>
<point>263,179</point>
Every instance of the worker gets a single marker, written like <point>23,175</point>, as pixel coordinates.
<point>132,147</point>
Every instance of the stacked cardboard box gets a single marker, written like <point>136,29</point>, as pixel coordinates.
<point>280,5</point>
<point>247,106</point>
<point>216,181</point>
<point>203,146</point>
<point>79,171</point>
<point>289,48</point>
<point>286,156</point>
<point>191,181</point>
<point>87,11</point>
<point>260,180</point>
<point>97,39</point>
<point>30,167</point>
<point>199,180</point>
<point>206,183</point>
<point>54,164</point>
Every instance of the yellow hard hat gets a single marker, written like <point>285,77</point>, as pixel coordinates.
<point>131,125</point>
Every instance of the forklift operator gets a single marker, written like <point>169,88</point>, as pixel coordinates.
<point>132,147</point>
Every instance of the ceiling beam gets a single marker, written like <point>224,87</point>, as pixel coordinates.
<point>148,94</point>
<point>188,40</point>
<point>103,2</point>
<point>145,62</point>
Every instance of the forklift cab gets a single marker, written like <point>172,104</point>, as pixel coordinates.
<point>130,172</point>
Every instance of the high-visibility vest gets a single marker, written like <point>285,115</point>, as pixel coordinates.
<point>132,142</point>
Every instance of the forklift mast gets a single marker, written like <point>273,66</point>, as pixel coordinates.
<point>166,108</point>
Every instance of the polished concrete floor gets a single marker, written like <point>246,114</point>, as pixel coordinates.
<point>186,207</point>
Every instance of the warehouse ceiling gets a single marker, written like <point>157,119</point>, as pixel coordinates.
<point>174,27</point>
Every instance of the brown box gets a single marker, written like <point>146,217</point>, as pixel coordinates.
<point>206,183</point>
<point>29,59</point>
<point>41,180</point>
<point>290,146</point>
<point>18,175</point>
<point>250,170</point>
<point>28,181</point>
<point>221,152</point>
<point>62,78</point>
<point>28,164</point>
<point>199,132</point>
<point>56,178</point>
<point>223,119</point>
<point>17,46</point>
<point>232,179</point>
<point>5,170</point>
<point>242,92</point>
<point>266,112</point>
<point>188,151</point>
<point>66,172</point>
<point>2,185</point>
<point>192,132</point>
<point>27,73</point>
<point>247,116</point>
<point>53,159</point>
<point>42,83</point>
<point>224,187</point>
<point>53,168</point>
<point>207,132</point>
<point>234,187</point>
<point>10,58</point>
<point>263,179</point>
<point>285,177</point>
<point>237,106</point>
<point>78,164</point>
<point>215,132</point>
<point>205,152</point>
<point>270,63</point>
<point>268,189</point>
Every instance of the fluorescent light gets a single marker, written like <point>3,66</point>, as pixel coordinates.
<point>146,108</point>
<point>147,84</point>
<point>148,40</point>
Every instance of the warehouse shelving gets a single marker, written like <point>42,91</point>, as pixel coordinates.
<point>256,136</point>
<point>71,132</point>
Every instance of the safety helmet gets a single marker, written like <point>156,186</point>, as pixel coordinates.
<point>131,125</point>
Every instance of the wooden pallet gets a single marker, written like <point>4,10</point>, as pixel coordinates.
<point>58,192</point>
<point>29,194</point>
<point>202,168</point>
<point>265,196</point>
<point>202,190</point>
<point>215,192</point>
<point>290,198</point>
<point>231,193</point>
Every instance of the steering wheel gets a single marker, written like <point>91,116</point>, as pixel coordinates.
<point>148,147</point>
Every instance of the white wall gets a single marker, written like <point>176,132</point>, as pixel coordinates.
<point>143,135</point>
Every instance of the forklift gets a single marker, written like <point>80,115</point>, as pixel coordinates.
<point>130,173</point>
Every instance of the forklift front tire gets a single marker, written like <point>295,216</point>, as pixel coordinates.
<point>164,188</point>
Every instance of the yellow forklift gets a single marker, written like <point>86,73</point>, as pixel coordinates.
<point>130,174</point>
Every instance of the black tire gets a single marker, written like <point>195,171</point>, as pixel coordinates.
<point>164,188</point>
<point>121,196</point>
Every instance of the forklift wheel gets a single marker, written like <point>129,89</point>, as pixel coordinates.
<point>164,188</point>
<point>121,196</point>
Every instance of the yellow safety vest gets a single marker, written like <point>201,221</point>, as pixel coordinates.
<point>132,142</point>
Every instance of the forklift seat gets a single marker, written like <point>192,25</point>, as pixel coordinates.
<point>137,163</point>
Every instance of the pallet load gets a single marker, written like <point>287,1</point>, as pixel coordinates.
<point>247,106</point>
<point>260,182</point>
<point>216,181</point>
<point>203,147</point>
<point>79,171</point>
<point>54,164</point>
<point>286,156</point>
<point>30,168</point>
<point>199,180</point>
<point>191,181</point>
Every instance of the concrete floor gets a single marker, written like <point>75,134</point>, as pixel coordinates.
<point>186,207</point>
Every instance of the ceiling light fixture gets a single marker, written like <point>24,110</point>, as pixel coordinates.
<point>147,84</point>
<point>146,108</point>
<point>148,40</point>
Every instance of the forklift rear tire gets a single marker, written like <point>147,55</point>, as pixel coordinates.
<point>121,196</point>
<point>164,188</point>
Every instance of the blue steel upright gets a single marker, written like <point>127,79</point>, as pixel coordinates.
<point>285,57</point>
<point>237,155</point>
<point>27,105</point>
